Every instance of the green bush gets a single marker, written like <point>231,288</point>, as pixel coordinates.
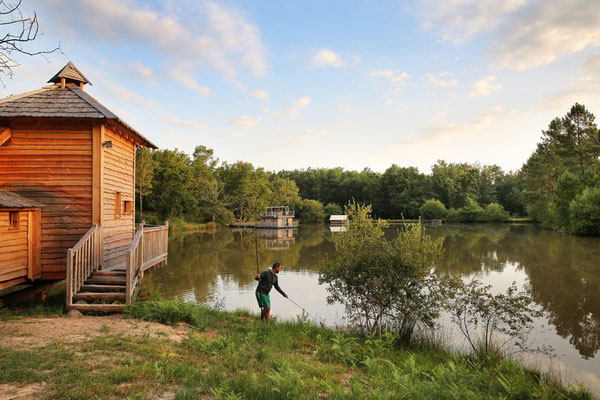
<point>585,213</point>
<point>310,211</point>
<point>567,188</point>
<point>332,209</point>
<point>452,215</point>
<point>433,209</point>
<point>471,212</point>
<point>494,212</point>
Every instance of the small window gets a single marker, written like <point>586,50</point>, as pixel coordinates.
<point>127,207</point>
<point>13,219</point>
<point>118,203</point>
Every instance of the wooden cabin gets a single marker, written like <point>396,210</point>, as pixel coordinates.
<point>338,220</point>
<point>20,244</point>
<point>65,151</point>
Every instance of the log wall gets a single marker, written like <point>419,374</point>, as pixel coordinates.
<point>51,162</point>
<point>118,181</point>
<point>13,248</point>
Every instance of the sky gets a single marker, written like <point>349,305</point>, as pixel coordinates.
<point>354,84</point>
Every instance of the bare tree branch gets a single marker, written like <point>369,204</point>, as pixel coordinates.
<point>20,30</point>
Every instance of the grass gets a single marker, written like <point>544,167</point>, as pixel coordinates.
<point>232,355</point>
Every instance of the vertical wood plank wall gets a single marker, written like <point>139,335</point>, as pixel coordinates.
<point>118,177</point>
<point>51,162</point>
<point>13,247</point>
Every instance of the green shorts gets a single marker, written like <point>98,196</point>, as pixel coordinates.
<point>264,299</point>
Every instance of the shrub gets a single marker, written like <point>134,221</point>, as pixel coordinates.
<point>383,283</point>
<point>471,212</point>
<point>452,215</point>
<point>494,212</point>
<point>433,209</point>
<point>332,209</point>
<point>585,213</point>
<point>311,211</point>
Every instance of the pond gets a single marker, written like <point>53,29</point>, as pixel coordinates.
<point>561,272</point>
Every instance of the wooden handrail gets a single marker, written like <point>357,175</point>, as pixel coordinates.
<point>83,260</point>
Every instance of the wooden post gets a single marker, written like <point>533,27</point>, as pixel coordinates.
<point>69,278</point>
<point>167,243</point>
<point>129,277</point>
<point>141,258</point>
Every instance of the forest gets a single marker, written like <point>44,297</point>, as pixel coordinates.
<point>558,186</point>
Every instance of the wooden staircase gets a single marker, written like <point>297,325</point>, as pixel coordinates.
<point>103,291</point>
<point>100,280</point>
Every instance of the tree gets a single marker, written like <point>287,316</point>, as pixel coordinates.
<point>144,172</point>
<point>311,211</point>
<point>471,212</point>
<point>172,193</point>
<point>247,189</point>
<point>454,183</point>
<point>380,282</point>
<point>579,142</point>
<point>401,192</point>
<point>284,191</point>
<point>19,31</point>
<point>433,209</point>
<point>585,213</point>
<point>567,188</point>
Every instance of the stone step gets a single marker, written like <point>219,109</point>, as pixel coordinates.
<point>91,296</point>
<point>103,288</point>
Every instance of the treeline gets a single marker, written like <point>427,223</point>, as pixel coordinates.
<point>557,186</point>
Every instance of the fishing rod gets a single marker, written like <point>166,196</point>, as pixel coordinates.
<point>309,314</point>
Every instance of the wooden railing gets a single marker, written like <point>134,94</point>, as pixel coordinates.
<point>148,248</point>
<point>135,260</point>
<point>156,245</point>
<point>83,259</point>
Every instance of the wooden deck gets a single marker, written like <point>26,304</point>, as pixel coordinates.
<point>103,280</point>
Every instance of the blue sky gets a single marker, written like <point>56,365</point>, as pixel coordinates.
<point>297,84</point>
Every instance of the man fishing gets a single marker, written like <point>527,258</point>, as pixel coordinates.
<point>266,280</point>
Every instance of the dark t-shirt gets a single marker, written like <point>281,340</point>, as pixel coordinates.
<point>267,280</point>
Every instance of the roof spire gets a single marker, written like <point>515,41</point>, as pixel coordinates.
<point>69,74</point>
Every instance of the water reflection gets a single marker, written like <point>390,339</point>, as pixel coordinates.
<point>562,272</point>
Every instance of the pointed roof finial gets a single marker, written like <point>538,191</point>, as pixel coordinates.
<point>70,73</point>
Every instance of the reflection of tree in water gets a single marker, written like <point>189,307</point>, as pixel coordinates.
<point>472,248</point>
<point>197,259</point>
<point>563,271</point>
<point>564,278</point>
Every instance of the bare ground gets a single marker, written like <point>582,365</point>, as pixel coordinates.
<point>35,332</point>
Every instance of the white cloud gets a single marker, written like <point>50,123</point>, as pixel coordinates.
<point>221,37</point>
<point>461,20</point>
<point>260,94</point>
<point>441,80</point>
<point>145,73</point>
<point>327,58</point>
<point>527,34</point>
<point>185,123</point>
<point>444,130</point>
<point>246,122</point>
<point>294,110</point>
<point>592,65</point>
<point>394,78</point>
<point>182,74</point>
<point>310,137</point>
<point>485,86</point>
<point>546,31</point>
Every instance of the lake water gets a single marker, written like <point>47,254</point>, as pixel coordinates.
<point>561,272</point>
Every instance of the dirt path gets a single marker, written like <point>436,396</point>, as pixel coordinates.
<point>35,332</point>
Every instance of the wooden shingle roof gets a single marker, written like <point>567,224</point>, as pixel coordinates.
<point>13,200</point>
<point>56,101</point>
<point>70,73</point>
